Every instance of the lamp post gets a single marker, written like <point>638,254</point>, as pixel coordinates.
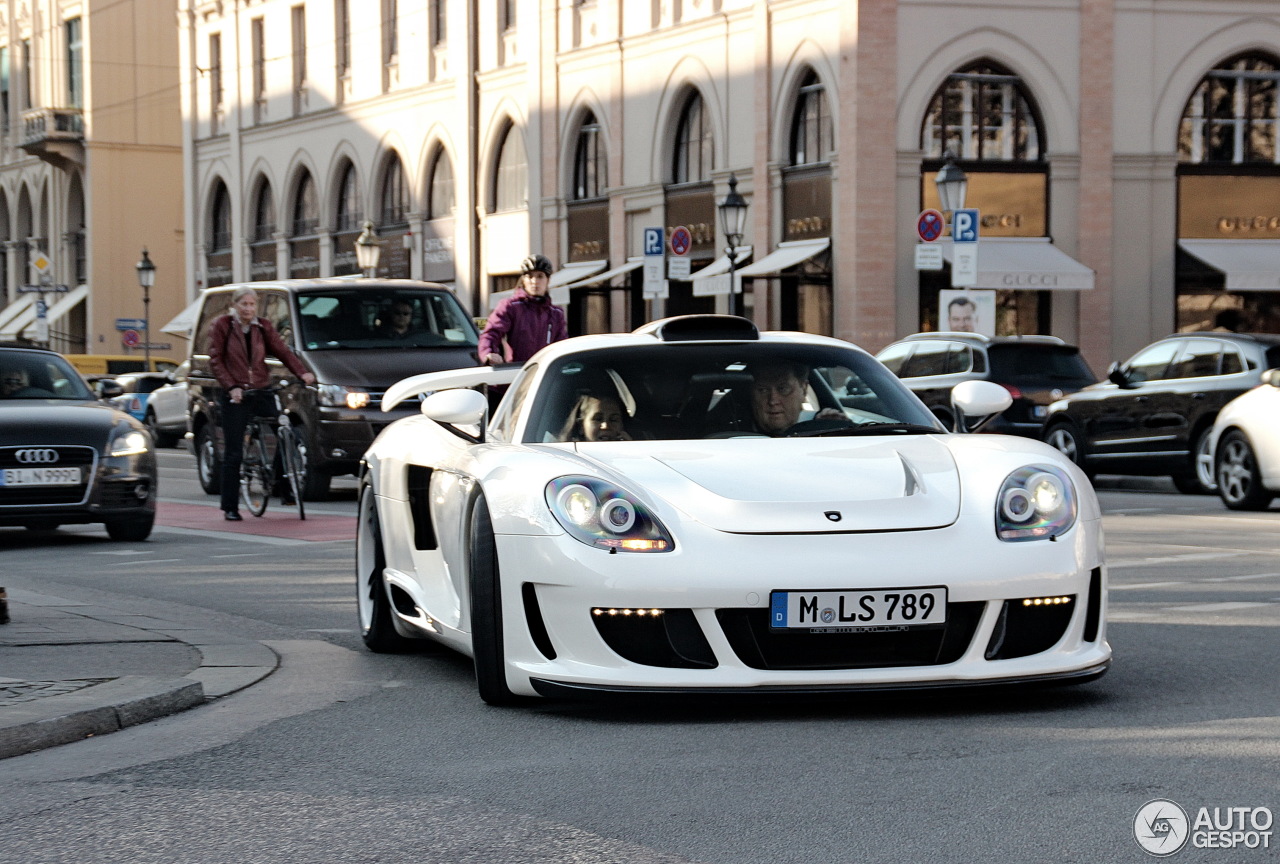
<point>368,249</point>
<point>146,278</point>
<point>952,184</point>
<point>733,219</point>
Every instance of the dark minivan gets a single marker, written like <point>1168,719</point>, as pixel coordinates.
<point>343,330</point>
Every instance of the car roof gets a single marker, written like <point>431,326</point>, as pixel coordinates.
<point>978,338</point>
<point>1226,336</point>
<point>19,346</point>
<point>360,283</point>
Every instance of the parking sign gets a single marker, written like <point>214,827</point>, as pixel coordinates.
<point>964,226</point>
<point>653,241</point>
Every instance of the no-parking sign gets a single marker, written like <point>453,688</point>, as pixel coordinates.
<point>681,240</point>
<point>930,225</point>
<point>130,338</point>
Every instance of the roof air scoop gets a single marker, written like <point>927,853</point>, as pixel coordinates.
<point>702,328</point>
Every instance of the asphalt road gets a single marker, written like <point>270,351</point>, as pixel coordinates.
<point>346,756</point>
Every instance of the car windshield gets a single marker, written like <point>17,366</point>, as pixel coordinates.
<point>674,391</point>
<point>36,375</point>
<point>370,318</point>
<point>1037,364</point>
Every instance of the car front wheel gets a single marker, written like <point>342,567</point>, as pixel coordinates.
<point>208,466</point>
<point>372,602</point>
<point>486,610</point>
<point>1239,480</point>
<point>161,438</point>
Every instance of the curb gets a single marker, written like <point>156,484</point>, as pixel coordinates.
<point>228,664</point>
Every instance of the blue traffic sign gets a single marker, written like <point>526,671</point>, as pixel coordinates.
<point>653,241</point>
<point>964,226</point>
<point>131,323</point>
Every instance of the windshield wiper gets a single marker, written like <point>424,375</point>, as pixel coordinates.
<point>873,429</point>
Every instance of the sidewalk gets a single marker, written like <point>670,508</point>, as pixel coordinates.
<point>71,670</point>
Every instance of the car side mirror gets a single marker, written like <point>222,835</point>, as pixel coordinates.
<point>978,399</point>
<point>1272,377</point>
<point>109,388</point>
<point>1116,375</point>
<point>456,408</point>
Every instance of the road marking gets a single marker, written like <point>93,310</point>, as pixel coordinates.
<point>1174,559</point>
<point>1243,578</point>
<point>1229,606</point>
<point>124,552</point>
<point>1145,585</point>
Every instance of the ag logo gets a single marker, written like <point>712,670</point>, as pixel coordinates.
<point>1161,827</point>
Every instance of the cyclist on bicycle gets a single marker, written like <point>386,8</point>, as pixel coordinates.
<point>239,343</point>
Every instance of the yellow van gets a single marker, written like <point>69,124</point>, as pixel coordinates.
<point>98,365</point>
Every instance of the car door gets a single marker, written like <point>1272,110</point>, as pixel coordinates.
<point>1117,424</point>
<point>1194,392</point>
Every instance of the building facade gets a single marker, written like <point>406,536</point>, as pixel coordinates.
<point>1122,154</point>
<point>90,172</point>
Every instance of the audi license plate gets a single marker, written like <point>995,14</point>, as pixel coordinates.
<point>883,610</point>
<point>40,477</point>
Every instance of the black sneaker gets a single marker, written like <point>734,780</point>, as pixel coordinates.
<point>232,516</point>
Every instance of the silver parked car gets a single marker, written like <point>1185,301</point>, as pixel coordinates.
<point>166,411</point>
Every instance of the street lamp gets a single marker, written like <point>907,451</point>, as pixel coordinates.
<point>952,184</point>
<point>146,278</point>
<point>368,249</point>
<point>733,219</point>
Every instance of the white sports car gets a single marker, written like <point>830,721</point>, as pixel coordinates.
<point>701,507</point>
<point>1245,443</point>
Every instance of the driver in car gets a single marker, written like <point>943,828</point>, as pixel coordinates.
<point>777,396</point>
<point>13,382</point>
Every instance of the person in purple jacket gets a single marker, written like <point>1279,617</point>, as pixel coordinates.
<point>526,321</point>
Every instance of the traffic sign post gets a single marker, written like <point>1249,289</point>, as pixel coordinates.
<point>654,283</point>
<point>678,265</point>
<point>964,241</point>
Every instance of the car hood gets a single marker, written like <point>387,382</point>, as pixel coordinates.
<point>379,369</point>
<point>773,486</point>
<point>56,421</point>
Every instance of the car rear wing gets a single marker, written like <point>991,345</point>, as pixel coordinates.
<point>429,382</point>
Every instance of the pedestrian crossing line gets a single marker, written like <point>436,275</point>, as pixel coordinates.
<point>1139,585</point>
<point>1174,559</point>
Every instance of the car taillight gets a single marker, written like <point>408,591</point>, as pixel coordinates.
<point>1013,391</point>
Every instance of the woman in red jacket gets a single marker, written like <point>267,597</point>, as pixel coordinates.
<point>239,343</point>
<point>525,322</point>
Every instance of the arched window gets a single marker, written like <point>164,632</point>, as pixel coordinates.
<point>306,216</point>
<point>75,230</point>
<point>811,139</point>
<point>589,177</point>
<point>220,220</point>
<point>511,174</point>
<point>264,214</point>
<point>693,156</point>
<point>1232,114</point>
<point>982,112</point>
<point>349,213</point>
<point>394,200</point>
<point>440,193</point>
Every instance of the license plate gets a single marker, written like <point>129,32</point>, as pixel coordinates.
<point>40,477</point>
<point>882,610</point>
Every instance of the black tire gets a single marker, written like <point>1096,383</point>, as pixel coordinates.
<point>292,465</point>
<point>1066,439</point>
<point>208,465</point>
<point>486,609</point>
<point>1239,480</point>
<point>1200,479</point>
<point>255,479</point>
<point>373,606</point>
<point>161,439</point>
<point>131,529</point>
<point>315,481</point>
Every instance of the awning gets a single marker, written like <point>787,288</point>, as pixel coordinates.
<point>1250,265</point>
<point>59,306</point>
<point>608,275</point>
<point>10,313</point>
<point>183,322</point>
<point>1031,263</point>
<point>787,254</point>
<point>721,264</point>
<point>575,272</point>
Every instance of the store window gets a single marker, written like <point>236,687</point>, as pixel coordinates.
<point>262,245</point>
<point>440,197</point>
<point>589,177</point>
<point>1232,114</point>
<point>811,140</point>
<point>511,175</point>
<point>394,198</point>
<point>982,112</point>
<point>694,143</point>
<point>347,219</point>
<point>304,244</point>
<point>218,239</point>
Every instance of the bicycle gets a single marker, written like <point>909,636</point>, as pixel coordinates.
<point>258,471</point>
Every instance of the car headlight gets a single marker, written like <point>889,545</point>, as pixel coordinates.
<point>600,514</point>
<point>130,443</point>
<point>1035,503</point>
<point>337,396</point>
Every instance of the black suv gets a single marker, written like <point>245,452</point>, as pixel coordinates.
<point>1154,413</point>
<point>341,330</point>
<point>1036,370</point>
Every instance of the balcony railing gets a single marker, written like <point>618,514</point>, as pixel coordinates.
<point>54,134</point>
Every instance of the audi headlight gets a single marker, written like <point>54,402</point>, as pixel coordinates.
<point>130,443</point>
<point>1035,502</point>
<point>602,515</point>
<point>337,396</point>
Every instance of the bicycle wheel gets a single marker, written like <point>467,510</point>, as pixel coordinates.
<point>255,474</point>
<point>291,462</point>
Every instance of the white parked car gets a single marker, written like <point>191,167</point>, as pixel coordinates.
<point>166,408</point>
<point>1246,446</point>
<point>642,515</point>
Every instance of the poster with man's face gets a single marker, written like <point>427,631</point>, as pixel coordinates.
<point>967,311</point>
